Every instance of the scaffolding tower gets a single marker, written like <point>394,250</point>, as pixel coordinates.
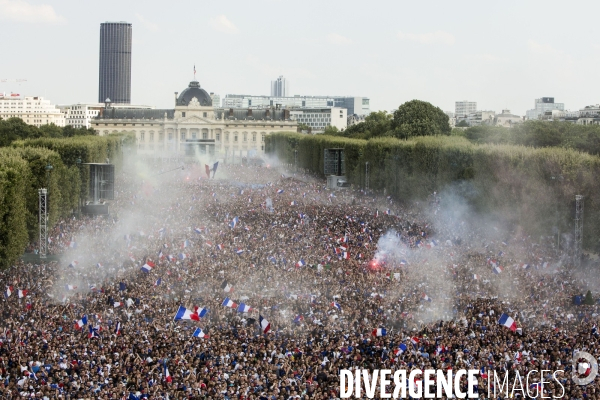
<point>43,208</point>
<point>577,252</point>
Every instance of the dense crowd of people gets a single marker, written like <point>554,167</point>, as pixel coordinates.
<point>325,268</point>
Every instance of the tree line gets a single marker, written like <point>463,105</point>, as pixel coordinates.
<point>12,129</point>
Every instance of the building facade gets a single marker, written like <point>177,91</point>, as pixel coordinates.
<point>542,105</point>
<point>164,132</point>
<point>355,105</point>
<point>463,108</point>
<point>280,87</point>
<point>32,110</point>
<point>506,119</point>
<point>81,115</point>
<point>115,63</point>
<point>481,118</point>
<point>318,119</point>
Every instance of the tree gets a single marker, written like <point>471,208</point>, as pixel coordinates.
<point>462,124</point>
<point>419,118</point>
<point>376,124</point>
<point>589,300</point>
<point>331,130</point>
<point>304,127</point>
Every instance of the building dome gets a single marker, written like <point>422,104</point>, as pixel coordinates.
<point>194,90</point>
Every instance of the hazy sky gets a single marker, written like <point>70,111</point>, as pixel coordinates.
<point>500,54</point>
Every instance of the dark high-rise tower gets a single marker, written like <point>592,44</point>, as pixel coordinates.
<point>115,62</point>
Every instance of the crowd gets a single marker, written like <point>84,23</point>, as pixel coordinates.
<point>324,268</point>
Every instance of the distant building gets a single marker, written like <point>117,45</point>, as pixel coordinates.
<point>32,110</point>
<point>355,119</point>
<point>354,105</point>
<point>506,119</point>
<point>320,118</point>
<point>216,100</point>
<point>451,118</point>
<point>115,63</point>
<point>542,105</point>
<point>195,123</point>
<point>481,118</point>
<point>280,87</point>
<point>590,111</point>
<point>81,115</point>
<point>463,108</point>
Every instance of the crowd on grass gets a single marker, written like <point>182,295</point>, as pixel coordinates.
<point>310,275</point>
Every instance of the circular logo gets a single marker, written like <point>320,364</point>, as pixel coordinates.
<point>585,368</point>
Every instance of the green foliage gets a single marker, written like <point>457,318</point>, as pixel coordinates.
<point>304,127</point>
<point>14,178</point>
<point>419,118</point>
<point>589,300</point>
<point>462,124</point>
<point>585,138</point>
<point>13,129</point>
<point>331,130</point>
<point>376,124</point>
<point>516,183</point>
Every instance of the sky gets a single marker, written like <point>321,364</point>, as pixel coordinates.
<point>502,55</point>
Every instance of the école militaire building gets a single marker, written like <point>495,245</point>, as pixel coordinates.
<point>195,123</point>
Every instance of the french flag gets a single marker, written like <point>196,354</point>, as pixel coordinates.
<point>184,313</point>
<point>336,305</point>
<point>171,258</point>
<point>379,332</point>
<point>346,255</point>
<point>508,322</point>
<point>388,212</point>
<point>243,308</point>
<point>117,304</point>
<point>81,323</point>
<point>475,277</point>
<point>425,297</point>
<point>280,191</point>
<point>198,230</point>
<point>118,328</point>
<point>200,333</point>
<point>158,282</point>
<point>414,340</point>
<point>22,293</point>
<point>70,287</point>
<point>182,256</point>
<point>186,243</point>
<point>73,264</point>
<point>234,222</point>
<point>239,251</point>
<point>299,318</point>
<point>200,311</point>
<point>401,349</point>
<point>300,263</point>
<point>525,266</point>
<point>228,303</point>
<point>167,375</point>
<point>98,265</point>
<point>264,324</point>
<point>9,291</point>
<point>208,243</point>
<point>220,246</point>
<point>146,268</point>
<point>93,333</point>
<point>293,203</point>
<point>497,269</point>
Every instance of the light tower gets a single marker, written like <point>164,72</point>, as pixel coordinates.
<point>578,230</point>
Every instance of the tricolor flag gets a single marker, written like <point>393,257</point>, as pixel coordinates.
<point>93,333</point>
<point>146,268</point>
<point>346,255</point>
<point>73,264</point>
<point>300,263</point>
<point>118,328</point>
<point>401,349</point>
<point>475,277</point>
<point>220,247</point>
<point>158,282</point>
<point>243,308</point>
<point>9,291</point>
<point>70,287</point>
<point>184,313</point>
<point>497,269</point>
<point>228,303</point>
<point>98,265</point>
<point>200,311</point>
<point>239,251</point>
<point>198,230</point>
<point>234,222</point>
<point>227,287</point>
<point>22,293</point>
<point>336,305</point>
<point>167,374</point>
<point>280,191</point>
<point>207,243</point>
<point>425,297</point>
<point>199,333</point>
<point>379,332</point>
<point>388,212</point>
<point>299,318</point>
<point>81,323</point>
<point>214,168</point>
<point>264,324</point>
<point>182,256</point>
<point>186,243</point>
<point>293,203</point>
<point>171,258</point>
<point>117,304</point>
<point>414,340</point>
<point>525,266</point>
<point>508,322</point>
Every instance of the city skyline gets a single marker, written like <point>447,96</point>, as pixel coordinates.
<point>490,56</point>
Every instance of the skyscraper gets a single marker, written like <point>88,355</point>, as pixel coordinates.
<point>115,62</point>
<point>280,87</point>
